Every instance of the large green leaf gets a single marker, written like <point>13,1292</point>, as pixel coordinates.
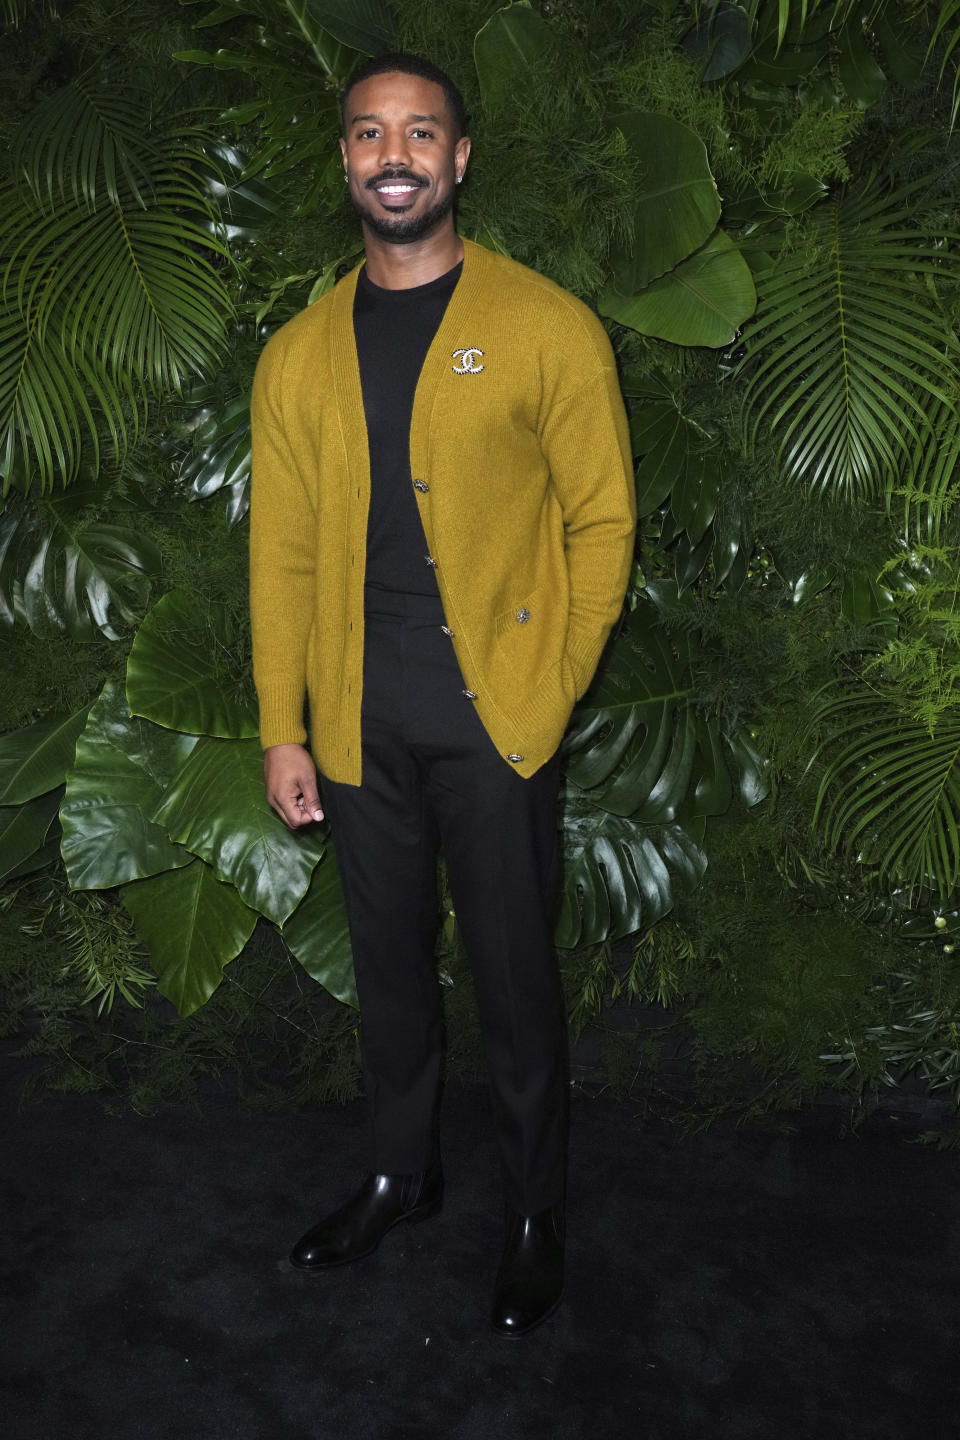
<point>869,605</point>
<point>627,724</point>
<point>721,36</point>
<point>192,925</point>
<point>220,456</point>
<point>216,807</point>
<point>123,766</point>
<point>36,759</point>
<point>507,52</point>
<point>675,206</point>
<point>23,831</point>
<point>890,791</point>
<point>317,933</point>
<point>703,301</point>
<point>665,450</point>
<point>620,876</point>
<point>245,208</point>
<point>365,25</point>
<point>187,670</point>
<point>862,77</point>
<point>850,356</point>
<point>62,568</point>
<point>681,466</point>
<point>635,744</point>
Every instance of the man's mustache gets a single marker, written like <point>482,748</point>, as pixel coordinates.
<point>390,177</point>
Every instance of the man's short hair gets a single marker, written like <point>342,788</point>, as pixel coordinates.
<point>402,62</point>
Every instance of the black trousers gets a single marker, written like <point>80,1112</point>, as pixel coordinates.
<point>431,778</point>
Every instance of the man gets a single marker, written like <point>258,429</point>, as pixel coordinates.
<point>442,525</point>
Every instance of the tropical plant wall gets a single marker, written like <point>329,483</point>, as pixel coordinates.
<point>761,809</point>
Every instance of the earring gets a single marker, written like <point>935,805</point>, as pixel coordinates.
<point>346,178</point>
<point>459,178</point>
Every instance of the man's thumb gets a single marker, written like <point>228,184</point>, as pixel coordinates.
<point>311,801</point>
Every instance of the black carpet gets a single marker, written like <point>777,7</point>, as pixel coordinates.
<point>735,1284</point>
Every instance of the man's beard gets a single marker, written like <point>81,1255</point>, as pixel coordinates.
<point>404,229</point>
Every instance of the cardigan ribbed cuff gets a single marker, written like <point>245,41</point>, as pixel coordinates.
<point>281,715</point>
<point>583,653</point>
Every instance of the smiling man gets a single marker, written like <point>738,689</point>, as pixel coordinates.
<point>442,526</point>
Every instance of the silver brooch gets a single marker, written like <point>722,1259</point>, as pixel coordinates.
<point>469,359</point>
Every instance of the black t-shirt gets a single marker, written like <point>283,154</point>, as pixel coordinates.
<point>394,330</point>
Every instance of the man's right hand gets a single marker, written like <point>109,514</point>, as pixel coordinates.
<point>291,780</point>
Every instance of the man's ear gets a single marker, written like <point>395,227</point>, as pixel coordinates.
<point>461,154</point>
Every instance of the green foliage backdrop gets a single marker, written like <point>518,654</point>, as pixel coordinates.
<point>762,798</point>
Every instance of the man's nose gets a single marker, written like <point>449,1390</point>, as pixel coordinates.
<point>394,148</point>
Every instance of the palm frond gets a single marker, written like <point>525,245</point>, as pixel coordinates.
<point>890,792</point>
<point>87,145</point>
<point>850,356</point>
<point>109,288</point>
<point>46,415</point>
<point>931,484</point>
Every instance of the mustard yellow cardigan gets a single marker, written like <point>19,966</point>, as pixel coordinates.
<point>520,458</point>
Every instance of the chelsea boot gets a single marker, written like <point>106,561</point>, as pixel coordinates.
<point>357,1228</point>
<point>530,1279</point>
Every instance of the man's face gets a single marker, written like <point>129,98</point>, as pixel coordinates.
<point>401,156</point>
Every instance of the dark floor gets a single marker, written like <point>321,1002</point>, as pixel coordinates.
<point>737,1284</point>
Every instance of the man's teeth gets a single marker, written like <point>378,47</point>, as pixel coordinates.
<point>396,189</point>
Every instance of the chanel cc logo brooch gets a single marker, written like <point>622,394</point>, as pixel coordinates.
<point>469,361</point>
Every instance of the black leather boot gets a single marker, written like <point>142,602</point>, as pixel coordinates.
<point>530,1279</point>
<point>357,1228</point>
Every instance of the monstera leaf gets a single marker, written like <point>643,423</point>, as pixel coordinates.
<point>35,759</point>
<point>317,933</point>
<point>184,670</point>
<point>629,731</point>
<point>620,876</point>
<point>122,767</point>
<point>681,466</point>
<point>215,806</point>
<point>221,455</point>
<point>192,925</point>
<point>64,569</point>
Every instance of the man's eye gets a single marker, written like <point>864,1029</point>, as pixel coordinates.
<point>423,134</point>
<point>365,134</point>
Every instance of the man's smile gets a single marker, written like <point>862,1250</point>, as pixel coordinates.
<point>396,192</point>
<point>396,195</point>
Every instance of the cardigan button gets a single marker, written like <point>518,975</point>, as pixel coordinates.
<point>421,485</point>
<point>430,561</point>
<point>515,758</point>
<point>470,694</point>
<point>523,615</point>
